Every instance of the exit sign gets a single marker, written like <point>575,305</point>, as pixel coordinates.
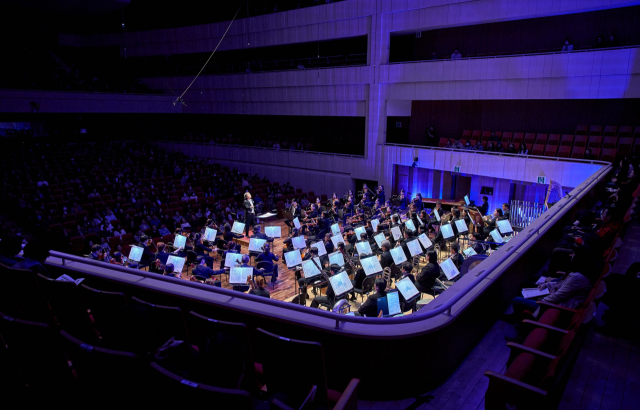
<point>542,180</point>
<point>456,169</point>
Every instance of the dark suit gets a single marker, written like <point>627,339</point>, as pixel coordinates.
<point>483,208</point>
<point>457,260</point>
<point>260,235</point>
<point>386,260</point>
<point>427,278</point>
<point>249,215</point>
<point>370,307</point>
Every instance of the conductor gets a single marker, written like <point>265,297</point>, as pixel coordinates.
<point>249,213</point>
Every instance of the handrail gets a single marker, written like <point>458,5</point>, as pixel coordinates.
<point>557,159</point>
<point>419,316</point>
<point>518,55</point>
<point>259,148</point>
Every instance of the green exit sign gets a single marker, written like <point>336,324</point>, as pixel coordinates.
<point>456,168</point>
<point>542,180</point>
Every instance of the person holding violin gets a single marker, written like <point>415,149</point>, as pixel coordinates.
<point>402,198</point>
<point>257,287</point>
<point>381,195</point>
<point>168,270</point>
<point>329,293</point>
<point>160,257</point>
<point>117,259</point>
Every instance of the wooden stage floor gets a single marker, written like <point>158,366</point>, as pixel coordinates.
<point>285,288</point>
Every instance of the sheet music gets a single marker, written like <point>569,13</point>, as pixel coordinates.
<point>136,253</point>
<point>529,293</point>
<point>340,283</point>
<point>321,249</point>
<point>337,258</point>
<point>398,255</point>
<point>393,300</point>
<point>497,238</point>
<point>425,241</point>
<point>395,231</point>
<point>296,222</point>
<point>359,231</point>
<point>449,269</point>
<point>364,248</point>
<point>437,214</point>
<point>336,240</point>
<point>310,269</point>
<point>414,247</point>
<point>210,234</point>
<point>371,265</point>
<point>504,226</point>
<point>335,229</point>
<point>298,242</point>
<point>178,263</point>
<point>407,288</point>
<point>462,226</point>
<point>238,276</point>
<point>379,238</point>
<point>447,231</point>
<point>410,225</point>
<point>293,258</point>
<point>273,231</point>
<point>179,241</point>
<point>374,224</point>
<point>232,259</point>
<point>256,244</point>
<point>469,252</point>
<point>266,215</point>
<point>238,227</point>
<point>466,200</point>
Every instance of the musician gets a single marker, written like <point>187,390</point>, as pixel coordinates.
<point>169,271</point>
<point>96,253</point>
<point>417,201</point>
<point>147,255</point>
<point>386,260</point>
<point>426,221</point>
<point>490,222</point>
<point>288,245</point>
<point>302,281</point>
<point>376,208</point>
<point>479,247</point>
<point>407,236</point>
<point>359,277</point>
<point>403,199</point>
<point>456,257</point>
<point>407,269</point>
<point>350,235</point>
<point>328,244</point>
<point>268,256</point>
<point>228,235</point>
<point>258,288</point>
<point>258,234</point>
<point>506,212</point>
<point>370,307</point>
<point>249,213</point>
<point>206,272</point>
<point>117,259</point>
<point>428,275</point>
<point>295,213</point>
<point>315,213</point>
<point>325,222</point>
<point>256,272</point>
<point>330,294</point>
<point>349,210</point>
<point>367,198</point>
<point>485,206</point>
<point>381,195</point>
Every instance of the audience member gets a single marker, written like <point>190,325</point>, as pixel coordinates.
<point>567,46</point>
<point>456,55</point>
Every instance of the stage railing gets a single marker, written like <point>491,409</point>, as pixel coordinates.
<point>523,213</point>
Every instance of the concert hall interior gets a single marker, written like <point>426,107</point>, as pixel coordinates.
<point>276,204</point>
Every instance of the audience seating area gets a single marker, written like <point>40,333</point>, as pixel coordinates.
<point>74,344</point>
<point>606,143</point>
<point>89,198</point>
<point>541,363</point>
